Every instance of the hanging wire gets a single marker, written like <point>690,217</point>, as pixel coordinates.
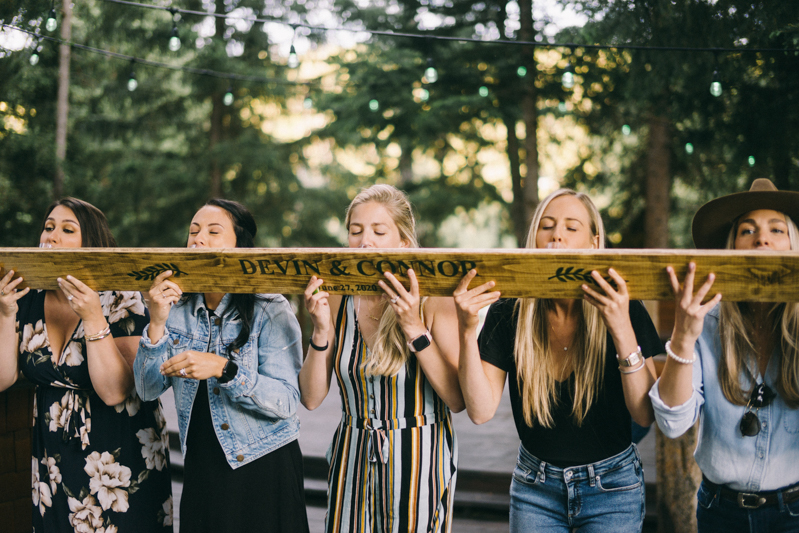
<point>409,35</point>
<point>148,62</point>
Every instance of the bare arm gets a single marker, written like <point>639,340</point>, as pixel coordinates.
<point>9,339</point>
<point>614,304</point>
<point>110,371</point>
<point>482,383</point>
<point>439,361</point>
<point>317,368</point>
<point>676,386</point>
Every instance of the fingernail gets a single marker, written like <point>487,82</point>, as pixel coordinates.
<point>59,280</point>
<point>611,270</point>
<point>410,270</point>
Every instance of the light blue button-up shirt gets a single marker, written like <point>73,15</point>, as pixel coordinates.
<point>768,461</point>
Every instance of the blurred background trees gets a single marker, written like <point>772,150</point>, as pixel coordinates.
<point>475,142</point>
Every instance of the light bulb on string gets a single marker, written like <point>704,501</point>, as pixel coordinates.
<point>52,21</point>
<point>483,91</point>
<point>174,39</point>
<point>132,82</point>
<point>228,98</point>
<point>567,80</point>
<point>430,73</point>
<point>374,105</point>
<point>521,71</point>
<point>424,95</point>
<point>562,107</point>
<point>715,85</point>
<point>307,103</point>
<point>751,160</point>
<point>293,61</point>
<point>626,130</point>
<point>689,148</point>
<point>34,58</point>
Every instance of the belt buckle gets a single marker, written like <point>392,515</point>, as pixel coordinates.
<point>747,500</point>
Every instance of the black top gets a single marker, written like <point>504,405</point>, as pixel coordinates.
<point>606,430</point>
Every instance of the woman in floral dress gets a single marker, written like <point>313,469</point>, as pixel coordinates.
<point>100,454</point>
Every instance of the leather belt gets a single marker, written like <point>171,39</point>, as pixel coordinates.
<point>753,500</point>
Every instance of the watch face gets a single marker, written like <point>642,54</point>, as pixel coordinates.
<point>420,343</point>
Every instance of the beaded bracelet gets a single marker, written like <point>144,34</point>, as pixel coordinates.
<point>100,335</point>
<point>319,348</point>
<point>676,357</point>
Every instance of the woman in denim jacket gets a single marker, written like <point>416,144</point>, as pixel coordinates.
<point>232,361</point>
<point>735,367</point>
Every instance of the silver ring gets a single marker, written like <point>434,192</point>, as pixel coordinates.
<point>183,372</point>
<point>70,297</point>
<point>2,293</point>
<point>394,299</point>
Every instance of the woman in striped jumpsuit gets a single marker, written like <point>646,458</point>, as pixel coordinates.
<point>393,459</point>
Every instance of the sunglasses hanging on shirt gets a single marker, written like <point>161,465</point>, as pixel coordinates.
<point>761,396</point>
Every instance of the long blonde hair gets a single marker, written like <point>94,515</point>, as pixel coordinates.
<point>389,351</point>
<point>535,361</point>
<point>739,353</point>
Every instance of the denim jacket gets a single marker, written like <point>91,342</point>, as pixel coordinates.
<point>764,462</point>
<point>255,412</point>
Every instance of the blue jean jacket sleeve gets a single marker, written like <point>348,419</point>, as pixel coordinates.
<point>150,383</point>
<point>274,388</point>
<point>675,421</point>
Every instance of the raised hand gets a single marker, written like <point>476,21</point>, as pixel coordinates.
<point>689,315</point>
<point>405,304</point>
<point>163,294</point>
<point>318,305</point>
<point>614,304</point>
<point>468,302</point>
<point>9,295</point>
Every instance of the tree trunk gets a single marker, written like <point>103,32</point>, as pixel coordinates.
<point>529,116</point>
<point>406,165</point>
<point>62,104</point>
<point>678,477</point>
<point>517,209</point>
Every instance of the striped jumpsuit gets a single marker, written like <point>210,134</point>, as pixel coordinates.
<point>393,459</point>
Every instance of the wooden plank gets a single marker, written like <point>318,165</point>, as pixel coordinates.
<point>752,276</point>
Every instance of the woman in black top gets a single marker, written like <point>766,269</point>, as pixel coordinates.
<point>578,374</point>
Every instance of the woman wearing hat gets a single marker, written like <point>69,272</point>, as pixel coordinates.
<point>735,365</point>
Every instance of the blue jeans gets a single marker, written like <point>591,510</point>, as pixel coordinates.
<point>715,514</point>
<point>596,498</point>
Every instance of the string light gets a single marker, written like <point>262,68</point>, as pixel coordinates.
<point>626,130</point>
<point>174,38</point>
<point>132,82</point>
<point>293,61</point>
<point>477,40</point>
<point>689,148</point>
<point>228,98</point>
<point>483,91</point>
<point>430,73</point>
<point>52,21</point>
<point>751,160</point>
<point>521,71</point>
<point>424,95</point>
<point>307,103</point>
<point>34,58</point>
<point>567,80</point>
<point>715,85</point>
<point>374,105</point>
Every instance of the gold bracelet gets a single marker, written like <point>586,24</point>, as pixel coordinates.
<point>101,335</point>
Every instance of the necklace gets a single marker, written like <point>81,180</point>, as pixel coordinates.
<point>375,318</point>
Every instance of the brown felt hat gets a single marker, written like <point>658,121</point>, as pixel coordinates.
<point>713,221</point>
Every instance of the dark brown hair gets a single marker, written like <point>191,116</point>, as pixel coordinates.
<point>94,230</point>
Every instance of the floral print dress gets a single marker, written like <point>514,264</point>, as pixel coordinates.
<point>95,468</point>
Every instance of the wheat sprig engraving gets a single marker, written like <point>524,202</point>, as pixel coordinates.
<point>153,271</point>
